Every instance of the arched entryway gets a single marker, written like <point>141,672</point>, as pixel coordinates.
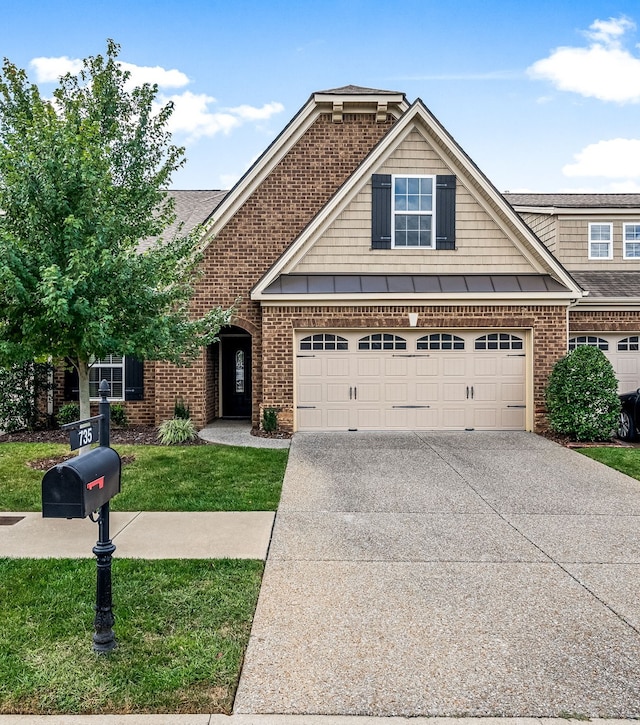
<point>235,372</point>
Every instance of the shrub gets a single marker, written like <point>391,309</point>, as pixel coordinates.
<point>181,410</point>
<point>68,413</point>
<point>119,415</point>
<point>23,396</point>
<point>582,395</point>
<point>176,431</point>
<point>270,419</point>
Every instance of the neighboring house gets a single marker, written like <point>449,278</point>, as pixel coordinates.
<point>382,282</point>
<point>596,237</point>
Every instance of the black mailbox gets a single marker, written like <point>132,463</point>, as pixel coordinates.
<point>75,488</point>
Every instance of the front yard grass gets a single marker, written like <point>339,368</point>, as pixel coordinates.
<point>160,478</point>
<point>181,628</point>
<point>626,460</point>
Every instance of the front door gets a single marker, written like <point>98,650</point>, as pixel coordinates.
<point>236,376</point>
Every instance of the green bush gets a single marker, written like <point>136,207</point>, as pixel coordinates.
<point>176,431</point>
<point>582,395</point>
<point>23,396</point>
<point>270,420</point>
<point>119,415</point>
<point>181,410</point>
<point>68,413</point>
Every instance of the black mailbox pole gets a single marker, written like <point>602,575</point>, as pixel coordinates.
<point>104,639</point>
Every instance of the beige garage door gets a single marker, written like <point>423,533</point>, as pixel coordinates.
<point>413,380</point>
<point>622,349</point>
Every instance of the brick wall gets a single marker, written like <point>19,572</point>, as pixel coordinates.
<point>269,221</point>
<point>548,324</point>
<point>618,321</point>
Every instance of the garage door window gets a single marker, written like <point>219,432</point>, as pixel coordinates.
<point>324,341</point>
<point>499,341</point>
<point>588,340</point>
<point>629,344</point>
<point>382,341</point>
<point>440,341</point>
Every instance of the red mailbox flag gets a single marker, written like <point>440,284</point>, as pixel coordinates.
<point>99,482</point>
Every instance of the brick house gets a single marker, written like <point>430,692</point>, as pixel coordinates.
<point>382,282</point>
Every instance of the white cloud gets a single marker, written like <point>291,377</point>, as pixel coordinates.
<point>192,113</point>
<point>603,70</point>
<point>250,113</point>
<point>155,74</point>
<point>617,158</point>
<point>48,70</point>
<point>193,116</point>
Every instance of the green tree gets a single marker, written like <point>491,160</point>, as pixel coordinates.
<point>83,179</point>
<point>582,398</point>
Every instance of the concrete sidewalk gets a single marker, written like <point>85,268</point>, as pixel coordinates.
<point>143,535</point>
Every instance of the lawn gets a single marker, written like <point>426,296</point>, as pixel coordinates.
<point>160,478</point>
<point>626,460</point>
<point>181,628</point>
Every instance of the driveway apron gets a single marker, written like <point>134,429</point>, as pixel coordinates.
<point>448,574</point>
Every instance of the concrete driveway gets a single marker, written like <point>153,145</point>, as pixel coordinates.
<point>448,574</point>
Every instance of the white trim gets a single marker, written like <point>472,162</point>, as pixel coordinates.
<point>591,241</point>
<point>431,213</point>
<point>432,300</point>
<point>630,241</point>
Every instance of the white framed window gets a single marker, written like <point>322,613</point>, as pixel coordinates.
<point>413,212</point>
<point>600,240</point>
<point>111,369</point>
<point>631,240</point>
<point>440,341</point>
<point>499,341</point>
<point>382,341</point>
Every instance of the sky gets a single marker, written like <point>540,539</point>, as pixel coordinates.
<point>544,96</point>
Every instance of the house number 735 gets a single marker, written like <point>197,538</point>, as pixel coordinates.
<point>85,436</point>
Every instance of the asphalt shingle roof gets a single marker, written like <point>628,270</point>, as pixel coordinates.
<point>191,208</point>
<point>575,201</point>
<point>609,284</point>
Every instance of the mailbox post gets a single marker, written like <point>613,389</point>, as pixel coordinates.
<point>104,639</point>
<point>81,487</point>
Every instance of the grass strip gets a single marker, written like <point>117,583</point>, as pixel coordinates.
<point>625,460</point>
<point>181,627</point>
<point>160,478</point>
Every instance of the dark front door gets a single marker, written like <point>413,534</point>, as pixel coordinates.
<point>236,376</point>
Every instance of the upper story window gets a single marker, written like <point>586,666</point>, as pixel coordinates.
<point>413,211</point>
<point>631,241</point>
<point>600,241</point>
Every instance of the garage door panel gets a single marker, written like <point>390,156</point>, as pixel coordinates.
<point>411,387</point>
<point>310,420</point>
<point>337,392</point>
<point>310,393</point>
<point>338,367</point>
<point>396,367</point>
<point>369,366</point>
<point>309,367</point>
<point>337,418</point>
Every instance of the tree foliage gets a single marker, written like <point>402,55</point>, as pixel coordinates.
<point>582,397</point>
<point>23,391</point>
<point>83,179</point>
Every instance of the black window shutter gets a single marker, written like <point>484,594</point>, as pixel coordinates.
<point>133,379</point>
<point>445,212</point>
<point>381,211</point>
<point>71,384</point>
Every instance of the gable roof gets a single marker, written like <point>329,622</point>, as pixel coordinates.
<point>505,216</point>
